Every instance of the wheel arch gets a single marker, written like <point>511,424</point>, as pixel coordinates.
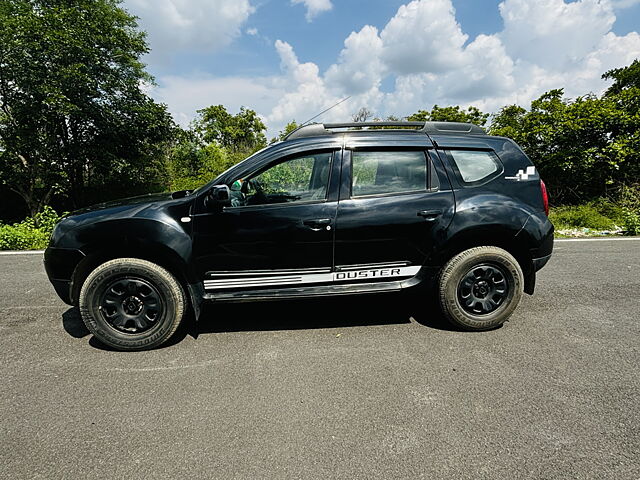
<point>154,252</point>
<point>495,236</point>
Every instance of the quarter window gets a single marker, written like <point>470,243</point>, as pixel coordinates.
<point>474,166</point>
<point>375,173</point>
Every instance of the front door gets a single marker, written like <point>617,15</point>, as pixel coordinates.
<point>393,205</point>
<point>279,229</point>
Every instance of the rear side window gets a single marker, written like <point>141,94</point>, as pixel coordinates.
<point>375,173</point>
<point>474,166</point>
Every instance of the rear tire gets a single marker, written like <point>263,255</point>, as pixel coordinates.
<point>131,304</point>
<point>479,288</point>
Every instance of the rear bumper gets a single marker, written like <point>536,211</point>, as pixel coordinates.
<point>542,238</point>
<point>60,263</point>
<point>538,263</point>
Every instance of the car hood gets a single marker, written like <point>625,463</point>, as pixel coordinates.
<point>140,206</point>
<point>126,202</point>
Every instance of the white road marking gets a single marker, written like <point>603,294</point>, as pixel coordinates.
<point>597,239</point>
<point>23,252</point>
<point>168,367</point>
<point>30,307</point>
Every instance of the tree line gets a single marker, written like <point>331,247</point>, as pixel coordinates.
<point>77,126</point>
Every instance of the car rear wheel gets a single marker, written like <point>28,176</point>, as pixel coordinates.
<point>480,288</point>
<point>131,304</point>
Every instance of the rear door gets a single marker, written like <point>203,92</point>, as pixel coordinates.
<point>393,204</point>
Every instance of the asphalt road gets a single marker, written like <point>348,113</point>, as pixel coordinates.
<point>362,388</point>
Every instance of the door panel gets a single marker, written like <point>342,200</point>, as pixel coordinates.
<point>398,227</point>
<point>269,237</point>
<point>277,222</point>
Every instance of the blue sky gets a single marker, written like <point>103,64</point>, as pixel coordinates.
<point>289,59</point>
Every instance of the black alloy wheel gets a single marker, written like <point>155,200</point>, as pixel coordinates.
<point>131,305</point>
<point>483,289</point>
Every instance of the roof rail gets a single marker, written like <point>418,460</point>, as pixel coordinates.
<point>317,129</point>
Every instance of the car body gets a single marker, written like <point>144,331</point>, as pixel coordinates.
<point>332,210</point>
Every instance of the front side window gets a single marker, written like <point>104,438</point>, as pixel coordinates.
<point>474,166</point>
<point>375,173</point>
<point>299,179</point>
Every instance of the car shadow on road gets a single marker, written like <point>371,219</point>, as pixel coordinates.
<point>73,324</point>
<point>330,312</point>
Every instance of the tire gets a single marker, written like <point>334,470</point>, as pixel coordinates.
<point>131,304</point>
<point>479,288</point>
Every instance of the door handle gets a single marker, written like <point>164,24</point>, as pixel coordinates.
<point>318,223</point>
<point>430,215</point>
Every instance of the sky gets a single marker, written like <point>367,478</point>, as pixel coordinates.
<point>291,59</point>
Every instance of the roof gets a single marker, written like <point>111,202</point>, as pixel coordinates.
<point>439,128</point>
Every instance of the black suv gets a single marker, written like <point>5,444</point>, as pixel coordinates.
<point>335,209</point>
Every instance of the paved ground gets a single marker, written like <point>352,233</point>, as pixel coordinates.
<point>334,389</point>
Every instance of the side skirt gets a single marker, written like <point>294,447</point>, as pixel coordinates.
<point>303,292</point>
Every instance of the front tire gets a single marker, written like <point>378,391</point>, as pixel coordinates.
<point>131,304</point>
<point>480,288</point>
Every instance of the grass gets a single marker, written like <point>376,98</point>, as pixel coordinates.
<point>591,218</point>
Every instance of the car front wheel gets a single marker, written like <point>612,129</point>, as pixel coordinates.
<point>131,304</point>
<point>480,288</point>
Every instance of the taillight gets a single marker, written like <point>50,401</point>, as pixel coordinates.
<point>545,197</point>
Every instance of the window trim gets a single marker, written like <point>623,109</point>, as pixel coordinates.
<point>428,162</point>
<point>482,181</point>
<point>263,168</point>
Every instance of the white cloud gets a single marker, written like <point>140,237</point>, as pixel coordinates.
<point>620,4</point>
<point>306,91</point>
<point>186,94</point>
<point>314,7</point>
<point>423,36</point>
<point>544,44</point>
<point>553,33</point>
<point>203,25</point>
<point>252,31</point>
<point>359,67</point>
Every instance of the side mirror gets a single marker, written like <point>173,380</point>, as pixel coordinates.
<point>219,196</point>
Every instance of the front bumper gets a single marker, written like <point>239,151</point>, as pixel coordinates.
<point>60,263</point>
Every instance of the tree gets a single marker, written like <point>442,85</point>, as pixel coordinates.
<point>624,93</point>
<point>578,145</point>
<point>192,163</point>
<point>450,114</point>
<point>242,132</point>
<point>289,127</point>
<point>362,115</point>
<point>624,78</point>
<point>72,112</point>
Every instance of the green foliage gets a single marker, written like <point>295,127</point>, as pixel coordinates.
<point>73,116</point>
<point>584,148</point>
<point>450,114</point>
<point>290,127</point>
<point>580,216</point>
<point>630,201</point>
<point>242,132</point>
<point>31,234</point>
<point>632,221</point>
<point>623,78</point>
<point>191,163</point>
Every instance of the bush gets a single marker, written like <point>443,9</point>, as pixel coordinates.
<point>31,234</point>
<point>581,216</point>
<point>630,201</point>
